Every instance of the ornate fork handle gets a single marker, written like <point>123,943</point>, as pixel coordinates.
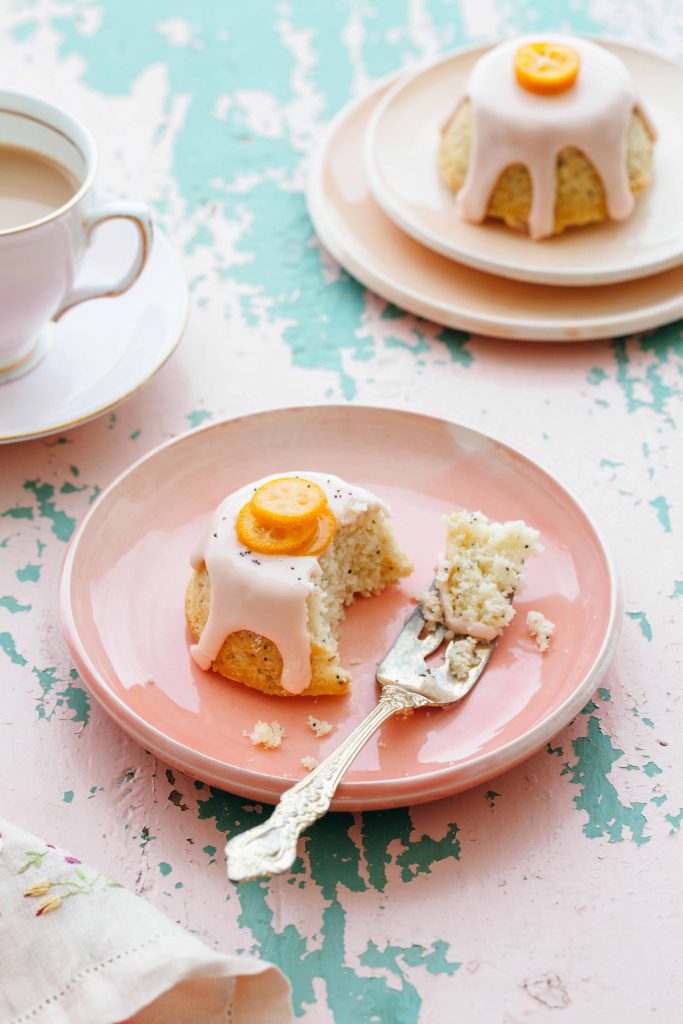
<point>270,848</point>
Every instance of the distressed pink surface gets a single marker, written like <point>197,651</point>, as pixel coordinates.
<point>558,895</point>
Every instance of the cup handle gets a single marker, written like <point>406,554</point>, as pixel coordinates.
<point>121,209</point>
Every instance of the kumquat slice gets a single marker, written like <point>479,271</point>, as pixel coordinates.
<point>546,68</point>
<point>289,501</point>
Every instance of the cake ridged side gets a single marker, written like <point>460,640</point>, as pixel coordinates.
<point>580,196</point>
<point>363,558</point>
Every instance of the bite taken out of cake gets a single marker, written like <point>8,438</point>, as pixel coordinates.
<point>276,567</point>
<point>477,577</point>
<point>549,135</point>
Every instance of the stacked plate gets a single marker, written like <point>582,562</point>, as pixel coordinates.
<point>377,203</point>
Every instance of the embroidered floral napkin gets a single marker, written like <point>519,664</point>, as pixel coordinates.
<point>76,948</point>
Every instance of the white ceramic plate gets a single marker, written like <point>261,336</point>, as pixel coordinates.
<point>401,154</point>
<point>370,246</point>
<point>101,352</point>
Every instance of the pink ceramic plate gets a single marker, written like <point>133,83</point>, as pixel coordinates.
<point>370,246</point>
<point>125,574</point>
<point>402,143</point>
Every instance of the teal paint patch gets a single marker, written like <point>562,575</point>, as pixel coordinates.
<point>604,694</point>
<point>145,837</point>
<point>651,769</point>
<point>165,868</point>
<point>596,376</point>
<point>491,796</point>
<point>21,512</point>
<point>455,342</point>
<point>198,416</point>
<point>135,435</point>
<point>678,588</point>
<point>642,620</point>
<point>590,707</point>
<point>178,885</point>
<point>658,800</point>
<point>23,31</point>
<point>419,345</point>
<point>13,606</point>
<point>413,858</point>
<point>210,851</point>
<point>61,524</point>
<point>334,863</point>
<point>68,796</point>
<point>9,647</point>
<point>61,697</point>
<point>392,313</point>
<point>599,799</point>
<point>675,820</point>
<point>665,346</point>
<point>663,508</point>
<point>648,722</point>
<point>554,750</point>
<point>414,956</point>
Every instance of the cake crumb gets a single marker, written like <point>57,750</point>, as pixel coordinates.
<point>309,763</point>
<point>478,575</point>
<point>461,657</point>
<point>541,629</point>
<point>319,726</point>
<point>264,735</point>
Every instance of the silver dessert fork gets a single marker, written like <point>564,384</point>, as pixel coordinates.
<point>407,683</point>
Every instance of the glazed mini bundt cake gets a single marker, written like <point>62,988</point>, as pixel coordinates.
<point>548,136</point>
<point>279,562</point>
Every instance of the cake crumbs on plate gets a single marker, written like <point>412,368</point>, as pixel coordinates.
<point>309,763</point>
<point>461,657</point>
<point>319,726</point>
<point>264,735</point>
<point>541,629</point>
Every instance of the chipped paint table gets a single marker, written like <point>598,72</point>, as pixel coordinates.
<point>549,887</point>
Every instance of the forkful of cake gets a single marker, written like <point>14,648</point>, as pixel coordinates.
<point>464,613</point>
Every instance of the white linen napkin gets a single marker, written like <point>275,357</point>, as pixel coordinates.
<point>76,948</point>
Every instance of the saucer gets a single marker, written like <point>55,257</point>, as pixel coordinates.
<point>101,352</point>
<point>128,565</point>
<point>373,249</point>
<point>401,155</point>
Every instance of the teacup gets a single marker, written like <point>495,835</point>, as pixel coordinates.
<point>47,170</point>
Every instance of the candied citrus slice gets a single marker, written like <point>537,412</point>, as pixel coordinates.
<point>289,501</point>
<point>546,68</point>
<point>272,540</point>
<point>326,526</point>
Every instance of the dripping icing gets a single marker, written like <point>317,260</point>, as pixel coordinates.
<point>266,594</point>
<point>511,125</point>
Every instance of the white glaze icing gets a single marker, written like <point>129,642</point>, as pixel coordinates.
<point>511,125</point>
<point>266,594</point>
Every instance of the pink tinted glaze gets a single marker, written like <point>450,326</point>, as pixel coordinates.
<point>511,125</point>
<point>266,594</point>
<point>126,573</point>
